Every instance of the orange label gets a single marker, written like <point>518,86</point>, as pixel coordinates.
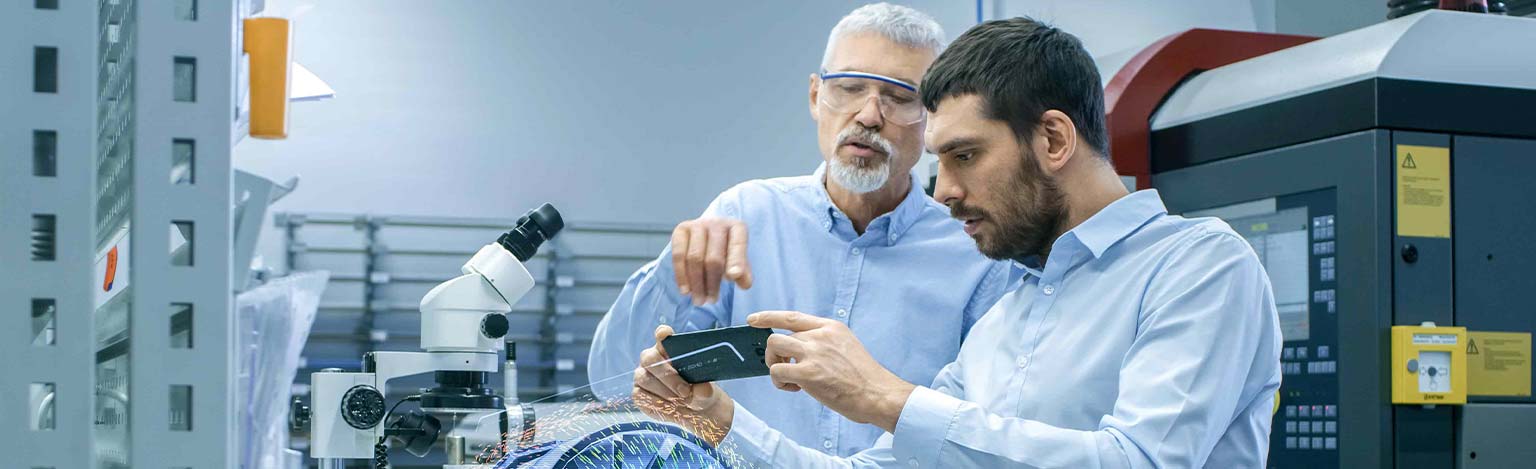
<point>111,269</point>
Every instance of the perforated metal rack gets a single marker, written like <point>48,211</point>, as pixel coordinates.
<point>108,229</point>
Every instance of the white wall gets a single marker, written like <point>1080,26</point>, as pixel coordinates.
<point>1112,26</point>
<point>1113,31</point>
<point>1327,17</point>
<point>622,111</point>
<point>613,111</point>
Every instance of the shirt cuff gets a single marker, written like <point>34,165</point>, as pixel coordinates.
<point>750,438</point>
<point>923,426</point>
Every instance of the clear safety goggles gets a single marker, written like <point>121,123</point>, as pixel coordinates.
<point>848,92</point>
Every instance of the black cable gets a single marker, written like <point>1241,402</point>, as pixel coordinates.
<point>410,398</point>
<point>380,455</point>
<point>381,450</point>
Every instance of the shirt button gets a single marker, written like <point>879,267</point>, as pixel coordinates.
<point>856,251</point>
<point>842,313</point>
<point>826,444</point>
<point>1048,289</point>
<point>1023,360</point>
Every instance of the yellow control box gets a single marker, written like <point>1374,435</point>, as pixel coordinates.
<point>1429,365</point>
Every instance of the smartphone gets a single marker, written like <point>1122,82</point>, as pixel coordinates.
<point>719,354</point>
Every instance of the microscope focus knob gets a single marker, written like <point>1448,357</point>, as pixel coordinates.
<point>495,326</point>
<point>299,415</point>
<point>362,407</point>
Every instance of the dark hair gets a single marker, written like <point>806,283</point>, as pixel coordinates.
<point>1021,68</point>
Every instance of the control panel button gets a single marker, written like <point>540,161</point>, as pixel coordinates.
<point>1305,443</point>
<point>1290,427</point>
<point>1289,353</point>
<point>1317,427</point>
<point>1305,411</point>
<point>1331,443</point>
<point>1317,442</point>
<point>1290,442</point>
<point>1322,351</point>
<point>1290,411</point>
<point>1303,428</point>
<point>1301,353</point>
<point>1330,411</point>
<point>1331,428</point>
<point>1317,411</point>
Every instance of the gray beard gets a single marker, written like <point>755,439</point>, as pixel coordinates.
<point>859,180</point>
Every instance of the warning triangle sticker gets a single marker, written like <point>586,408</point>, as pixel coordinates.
<point>1408,162</point>
<point>1471,347</point>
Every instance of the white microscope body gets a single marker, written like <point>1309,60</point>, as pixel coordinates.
<point>463,321</point>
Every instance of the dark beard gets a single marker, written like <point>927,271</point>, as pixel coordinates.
<point>1033,209</point>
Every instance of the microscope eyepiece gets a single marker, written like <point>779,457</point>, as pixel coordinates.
<point>532,230</point>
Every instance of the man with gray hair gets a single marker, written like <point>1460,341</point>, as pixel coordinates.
<point>856,242</point>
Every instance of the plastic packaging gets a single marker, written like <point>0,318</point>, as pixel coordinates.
<point>274,322</point>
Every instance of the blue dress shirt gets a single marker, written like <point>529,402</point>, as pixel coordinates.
<point>1146,340</point>
<point>910,287</point>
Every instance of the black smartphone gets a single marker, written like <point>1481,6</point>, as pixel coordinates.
<point>719,354</point>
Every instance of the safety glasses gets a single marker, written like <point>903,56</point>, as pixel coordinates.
<point>848,92</point>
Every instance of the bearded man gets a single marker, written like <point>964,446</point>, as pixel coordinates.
<point>858,243</point>
<point>1137,339</point>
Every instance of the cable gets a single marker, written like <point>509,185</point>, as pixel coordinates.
<point>410,398</point>
<point>381,450</point>
<point>380,455</point>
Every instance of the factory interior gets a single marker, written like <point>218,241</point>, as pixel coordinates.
<point>317,234</point>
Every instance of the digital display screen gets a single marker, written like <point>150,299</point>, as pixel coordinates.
<point>1280,239</point>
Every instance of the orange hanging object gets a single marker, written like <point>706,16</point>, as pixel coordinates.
<point>269,42</point>
<point>106,285</point>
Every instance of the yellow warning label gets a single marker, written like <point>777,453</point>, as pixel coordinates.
<point>1499,363</point>
<point>1423,191</point>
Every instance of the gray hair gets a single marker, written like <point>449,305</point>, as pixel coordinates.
<point>900,24</point>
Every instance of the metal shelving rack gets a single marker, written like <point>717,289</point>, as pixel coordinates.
<point>115,157</point>
<point>381,265</point>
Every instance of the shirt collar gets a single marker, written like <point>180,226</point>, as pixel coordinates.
<point>1118,220</point>
<point>903,217</point>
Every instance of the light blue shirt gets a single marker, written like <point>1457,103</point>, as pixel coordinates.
<point>910,287</point>
<point>1146,340</point>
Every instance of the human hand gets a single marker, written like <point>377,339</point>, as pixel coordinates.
<point>824,359</point>
<point>660,393</point>
<point>708,249</point>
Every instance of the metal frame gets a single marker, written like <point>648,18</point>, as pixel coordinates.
<point>72,112</point>
<point>206,284</point>
<point>96,103</point>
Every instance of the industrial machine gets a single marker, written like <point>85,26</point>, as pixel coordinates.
<point>1382,176</point>
<point>463,322</point>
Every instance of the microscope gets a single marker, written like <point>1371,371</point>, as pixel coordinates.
<point>463,322</point>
